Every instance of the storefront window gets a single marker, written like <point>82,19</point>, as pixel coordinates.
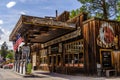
<point>71,58</point>
<point>74,54</point>
<point>75,58</point>
<point>80,57</point>
<point>66,59</point>
<point>59,59</point>
<point>43,58</point>
<point>50,60</point>
<point>54,59</point>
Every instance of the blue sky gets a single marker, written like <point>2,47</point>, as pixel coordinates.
<point>10,11</point>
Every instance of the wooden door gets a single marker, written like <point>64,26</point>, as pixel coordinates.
<point>54,63</point>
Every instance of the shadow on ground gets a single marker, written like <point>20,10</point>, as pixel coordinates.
<point>43,73</point>
<point>34,76</point>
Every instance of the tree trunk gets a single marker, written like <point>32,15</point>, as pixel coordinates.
<point>105,14</point>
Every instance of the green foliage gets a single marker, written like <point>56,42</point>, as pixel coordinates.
<point>4,49</point>
<point>72,13</point>
<point>29,68</point>
<point>118,14</point>
<point>10,55</point>
<point>99,15</point>
<point>99,8</point>
<point>118,18</point>
<point>0,52</point>
<point>83,9</point>
<point>85,1</point>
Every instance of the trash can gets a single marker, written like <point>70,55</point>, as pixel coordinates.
<point>34,68</point>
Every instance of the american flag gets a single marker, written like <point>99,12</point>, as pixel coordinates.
<point>14,45</point>
<point>18,41</point>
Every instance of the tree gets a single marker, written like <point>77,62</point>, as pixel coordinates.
<point>80,10</point>
<point>118,14</point>
<point>72,13</point>
<point>10,55</point>
<point>100,8</point>
<point>4,49</point>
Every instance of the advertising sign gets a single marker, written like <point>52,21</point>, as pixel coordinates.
<point>25,51</point>
<point>106,36</point>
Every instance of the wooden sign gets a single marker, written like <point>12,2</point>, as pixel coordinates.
<point>64,38</point>
<point>51,22</point>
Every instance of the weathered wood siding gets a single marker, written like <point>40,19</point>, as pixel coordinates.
<point>91,34</point>
<point>89,46</point>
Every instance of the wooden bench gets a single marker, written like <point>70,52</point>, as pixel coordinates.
<point>110,71</point>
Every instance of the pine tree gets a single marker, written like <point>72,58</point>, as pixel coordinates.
<point>100,8</point>
<point>4,49</point>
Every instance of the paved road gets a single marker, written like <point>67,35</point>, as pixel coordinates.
<point>6,74</point>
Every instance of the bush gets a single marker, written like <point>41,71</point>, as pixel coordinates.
<point>29,68</point>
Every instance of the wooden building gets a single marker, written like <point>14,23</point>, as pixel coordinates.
<point>101,39</point>
<point>71,46</point>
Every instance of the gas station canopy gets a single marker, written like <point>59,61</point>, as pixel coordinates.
<point>40,30</point>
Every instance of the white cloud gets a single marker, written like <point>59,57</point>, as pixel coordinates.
<point>1,22</point>
<point>11,4</point>
<point>5,38</point>
<point>2,30</point>
<point>22,12</point>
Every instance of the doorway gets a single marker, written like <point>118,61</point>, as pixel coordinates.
<point>58,60</point>
<point>54,63</point>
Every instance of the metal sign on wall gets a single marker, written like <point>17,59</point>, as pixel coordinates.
<point>106,36</point>
<point>64,38</point>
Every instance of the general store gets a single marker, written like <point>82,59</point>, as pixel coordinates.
<point>70,46</point>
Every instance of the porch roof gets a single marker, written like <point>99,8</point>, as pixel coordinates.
<point>40,29</point>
